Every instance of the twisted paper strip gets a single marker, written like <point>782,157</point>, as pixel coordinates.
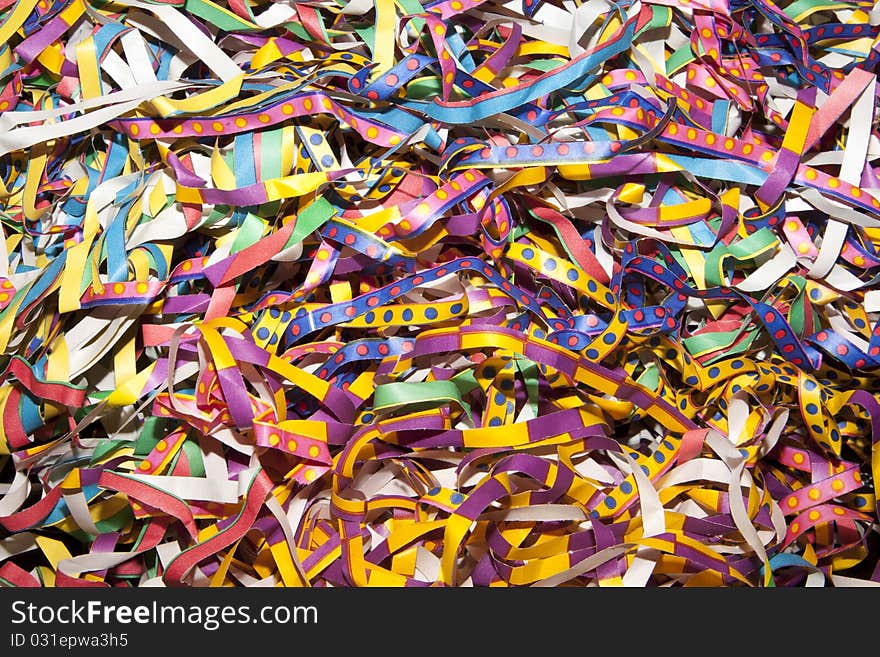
<point>465,293</point>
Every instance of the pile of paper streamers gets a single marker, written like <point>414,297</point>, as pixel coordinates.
<point>469,293</point>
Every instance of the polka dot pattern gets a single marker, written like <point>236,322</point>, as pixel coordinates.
<point>625,493</point>
<point>302,105</point>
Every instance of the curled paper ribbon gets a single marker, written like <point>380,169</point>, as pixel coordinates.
<point>447,294</point>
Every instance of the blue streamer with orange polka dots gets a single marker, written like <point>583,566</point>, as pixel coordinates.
<point>436,301</point>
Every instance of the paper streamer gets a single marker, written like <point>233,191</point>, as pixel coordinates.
<point>447,294</point>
